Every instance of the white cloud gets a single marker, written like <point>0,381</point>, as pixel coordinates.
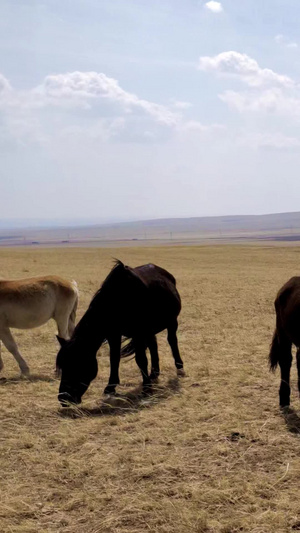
<point>215,7</point>
<point>279,38</point>
<point>284,41</point>
<point>277,141</point>
<point>268,92</point>
<point>274,101</point>
<point>196,126</point>
<point>178,104</point>
<point>252,101</point>
<point>244,68</point>
<point>61,106</point>
<point>4,85</point>
<point>292,45</point>
<point>84,87</point>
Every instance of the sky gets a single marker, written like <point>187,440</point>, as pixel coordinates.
<point>134,109</point>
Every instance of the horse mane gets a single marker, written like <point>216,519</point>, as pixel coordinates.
<point>118,266</point>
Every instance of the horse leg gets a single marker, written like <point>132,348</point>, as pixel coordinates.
<point>142,362</point>
<point>11,345</point>
<point>62,322</point>
<point>71,327</point>
<point>72,318</point>
<point>115,355</point>
<point>285,362</point>
<point>172,340</point>
<point>1,361</point>
<point>152,344</point>
<point>298,368</point>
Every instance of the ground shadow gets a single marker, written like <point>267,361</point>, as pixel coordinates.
<point>129,402</point>
<point>291,419</point>
<point>30,379</point>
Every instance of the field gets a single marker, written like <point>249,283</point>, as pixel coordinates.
<point>210,452</point>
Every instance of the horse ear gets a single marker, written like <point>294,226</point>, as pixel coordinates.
<point>118,263</point>
<point>61,341</point>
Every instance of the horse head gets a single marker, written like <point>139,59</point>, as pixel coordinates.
<point>76,372</point>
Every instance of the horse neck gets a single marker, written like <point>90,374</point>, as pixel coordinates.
<point>90,329</point>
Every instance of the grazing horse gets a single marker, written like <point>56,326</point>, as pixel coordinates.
<point>135,303</point>
<point>287,332</point>
<point>28,303</point>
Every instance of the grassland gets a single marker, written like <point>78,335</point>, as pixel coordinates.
<point>210,452</point>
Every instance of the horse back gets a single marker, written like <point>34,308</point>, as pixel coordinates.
<point>31,287</point>
<point>152,273</point>
<point>30,302</point>
<point>163,296</point>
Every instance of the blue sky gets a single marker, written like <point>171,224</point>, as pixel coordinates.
<point>117,110</point>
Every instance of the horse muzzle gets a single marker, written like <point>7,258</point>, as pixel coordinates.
<point>67,399</point>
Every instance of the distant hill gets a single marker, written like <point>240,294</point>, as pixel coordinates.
<point>281,226</point>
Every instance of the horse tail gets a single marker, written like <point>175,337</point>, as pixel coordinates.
<point>128,349</point>
<point>274,351</point>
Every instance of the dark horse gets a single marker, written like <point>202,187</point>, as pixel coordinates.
<point>287,332</point>
<point>135,303</point>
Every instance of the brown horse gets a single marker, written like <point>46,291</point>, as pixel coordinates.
<point>29,303</point>
<point>287,333</point>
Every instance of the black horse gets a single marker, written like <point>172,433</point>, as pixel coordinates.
<point>287,332</point>
<point>135,303</point>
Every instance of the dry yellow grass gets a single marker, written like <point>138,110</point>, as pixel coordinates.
<point>210,452</point>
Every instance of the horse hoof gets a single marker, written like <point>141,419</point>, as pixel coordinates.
<point>284,406</point>
<point>180,372</point>
<point>110,391</point>
<point>147,389</point>
<point>154,377</point>
<point>25,373</point>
